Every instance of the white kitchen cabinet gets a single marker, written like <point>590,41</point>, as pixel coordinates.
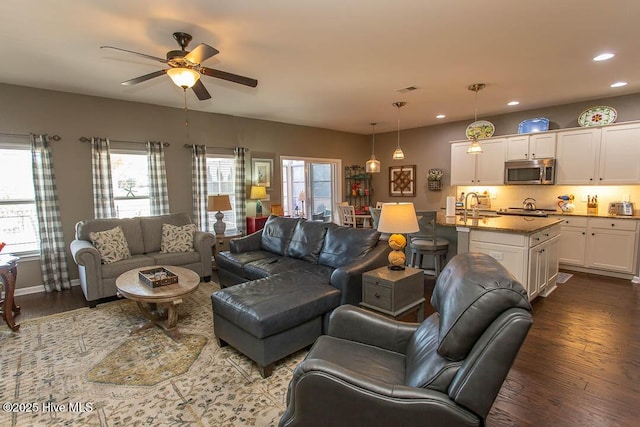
<point>486,168</point>
<point>620,155</point>
<point>573,241</point>
<point>530,147</point>
<point>600,244</point>
<point>611,244</point>
<point>543,266</point>
<point>577,155</point>
<point>533,260</point>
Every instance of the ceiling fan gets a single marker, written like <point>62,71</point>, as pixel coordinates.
<point>185,67</point>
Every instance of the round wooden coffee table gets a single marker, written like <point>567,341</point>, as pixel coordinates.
<point>158,305</point>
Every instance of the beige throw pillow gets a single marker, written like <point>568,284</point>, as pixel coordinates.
<point>177,238</point>
<point>111,244</point>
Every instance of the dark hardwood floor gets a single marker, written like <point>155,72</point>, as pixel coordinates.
<point>579,366</point>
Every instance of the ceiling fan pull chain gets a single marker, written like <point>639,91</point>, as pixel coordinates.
<point>186,111</point>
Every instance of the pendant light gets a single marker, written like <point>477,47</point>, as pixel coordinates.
<point>373,165</point>
<point>398,154</point>
<point>475,147</point>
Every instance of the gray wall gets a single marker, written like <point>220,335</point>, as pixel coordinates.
<point>428,147</point>
<point>27,110</point>
<point>71,116</point>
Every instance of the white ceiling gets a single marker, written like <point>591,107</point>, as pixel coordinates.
<point>335,64</point>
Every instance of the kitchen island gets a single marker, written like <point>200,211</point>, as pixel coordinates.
<point>527,246</point>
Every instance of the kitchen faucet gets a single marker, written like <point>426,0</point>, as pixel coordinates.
<point>466,201</point>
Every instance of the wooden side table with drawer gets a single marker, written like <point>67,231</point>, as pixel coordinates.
<point>394,292</point>
<point>222,244</point>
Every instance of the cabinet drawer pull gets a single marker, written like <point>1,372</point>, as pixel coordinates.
<point>377,295</point>
<point>536,238</point>
<point>546,234</point>
<point>583,233</point>
<point>593,234</point>
<point>613,225</point>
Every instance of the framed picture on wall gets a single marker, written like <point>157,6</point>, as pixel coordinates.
<point>262,172</point>
<point>402,181</point>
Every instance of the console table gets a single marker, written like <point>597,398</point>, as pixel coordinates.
<point>9,272</point>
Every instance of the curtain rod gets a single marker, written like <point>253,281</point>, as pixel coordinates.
<point>54,137</point>
<point>209,146</point>
<point>85,139</point>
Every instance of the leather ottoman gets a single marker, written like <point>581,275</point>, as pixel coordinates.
<point>270,318</point>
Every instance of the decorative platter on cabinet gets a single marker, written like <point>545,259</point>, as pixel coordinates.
<point>539,124</point>
<point>480,129</point>
<point>597,116</point>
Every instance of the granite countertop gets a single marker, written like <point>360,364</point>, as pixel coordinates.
<point>504,223</point>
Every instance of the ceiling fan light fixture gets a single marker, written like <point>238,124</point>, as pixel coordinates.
<point>398,154</point>
<point>183,77</point>
<point>373,165</point>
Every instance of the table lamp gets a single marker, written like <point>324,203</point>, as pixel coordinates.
<point>398,219</point>
<point>219,203</point>
<point>258,193</point>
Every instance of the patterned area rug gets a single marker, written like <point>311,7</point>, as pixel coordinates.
<point>81,368</point>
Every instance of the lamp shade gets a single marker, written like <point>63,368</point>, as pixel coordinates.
<point>183,77</point>
<point>258,192</point>
<point>218,203</point>
<point>398,218</point>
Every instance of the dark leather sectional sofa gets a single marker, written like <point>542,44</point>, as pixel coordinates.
<point>281,283</point>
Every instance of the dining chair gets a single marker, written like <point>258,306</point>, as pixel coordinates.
<point>347,216</point>
<point>426,242</point>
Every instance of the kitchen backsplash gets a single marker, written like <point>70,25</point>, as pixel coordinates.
<point>547,195</point>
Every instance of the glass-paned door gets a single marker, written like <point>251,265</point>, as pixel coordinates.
<point>310,187</point>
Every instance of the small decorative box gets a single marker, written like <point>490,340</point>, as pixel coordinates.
<point>156,277</point>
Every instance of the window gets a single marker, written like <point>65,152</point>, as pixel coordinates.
<point>130,177</point>
<point>18,219</point>
<point>221,178</point>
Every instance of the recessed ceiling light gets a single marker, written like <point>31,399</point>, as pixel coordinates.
<point>619,84</point>
<point>603,57</point>
<point>440,116</point>
<point>513,103</point>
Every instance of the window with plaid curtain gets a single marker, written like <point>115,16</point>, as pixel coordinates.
<point>103,204</point>
<point>158,192</point>
<point>241,190</point>
<point>199,186</point>
<point>52,250</point>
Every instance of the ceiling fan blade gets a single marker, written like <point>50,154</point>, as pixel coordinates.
<point>228,76</point>
<point>201,92</point>
<point>144,78</point>
<point>154,58</point>
<point>201,53</point>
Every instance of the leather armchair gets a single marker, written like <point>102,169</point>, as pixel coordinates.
<point>446,371</point>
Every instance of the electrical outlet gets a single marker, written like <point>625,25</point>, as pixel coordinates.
<point>625,197</point>
<point>584,197</point>
<point>493,194</point>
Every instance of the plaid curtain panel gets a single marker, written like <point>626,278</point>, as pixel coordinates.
<point>52,250</point>
<point>103,204</point>
<point>199,186</point>
<point>241,190</point>
<point>158,192</point>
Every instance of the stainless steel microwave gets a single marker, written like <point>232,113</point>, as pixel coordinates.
<point>533,172</point>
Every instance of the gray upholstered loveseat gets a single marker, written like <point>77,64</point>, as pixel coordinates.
<point>288,278</point>
<point>144,236</point>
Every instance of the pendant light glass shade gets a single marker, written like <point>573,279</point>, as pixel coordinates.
<point>398,154</point>
<point>373,165</point>
<point>475,147</point>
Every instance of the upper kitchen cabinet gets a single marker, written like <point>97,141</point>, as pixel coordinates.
<point>577,156</point>
<point>606,155</point>
<point>486,168</point>
<point>531,147</point>
<point>620,155</point>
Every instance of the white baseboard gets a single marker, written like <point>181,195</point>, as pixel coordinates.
<point>635,279</point>
<point>37,289</point>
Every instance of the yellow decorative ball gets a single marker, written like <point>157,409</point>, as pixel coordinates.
<point>397,242</point>
<point>397,258</point>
